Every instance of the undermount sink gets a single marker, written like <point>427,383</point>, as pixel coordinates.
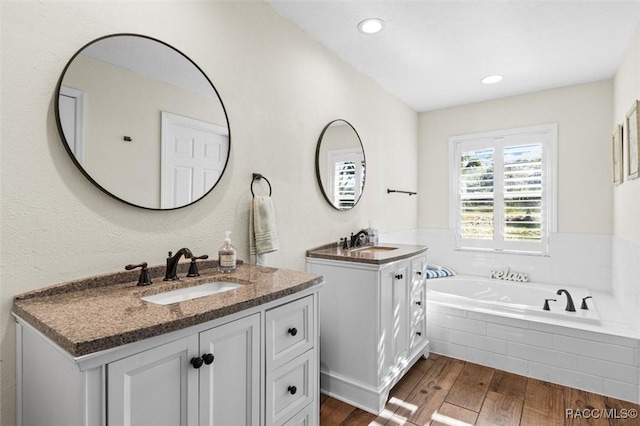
<point>188,293</point>
<point>375,249</point>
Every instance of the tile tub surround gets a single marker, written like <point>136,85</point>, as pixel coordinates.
<point>334,252</point>
<point>602,363</point>
<point>102,312</point>
<point>625,276</point>
<point>578,260</point>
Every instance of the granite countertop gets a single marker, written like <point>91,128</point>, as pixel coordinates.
<point>376,255</point>
<point>103,312</point>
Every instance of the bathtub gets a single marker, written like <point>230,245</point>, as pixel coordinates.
<point>519,300</point>
<point>501,324</point>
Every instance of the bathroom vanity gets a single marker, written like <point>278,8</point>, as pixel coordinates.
<point>373,322</point>
<point>92,352</point>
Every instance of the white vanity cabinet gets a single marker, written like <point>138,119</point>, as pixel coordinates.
<point>160,385</point>
<point>263,371</point>
<point>372,326</point>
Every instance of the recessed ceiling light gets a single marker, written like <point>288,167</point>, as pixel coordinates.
<point>371,25</point>
<point>491,79</point>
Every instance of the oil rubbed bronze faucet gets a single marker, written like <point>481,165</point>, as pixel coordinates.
<point>172,263</point>
<point>356,240</point>
<point>570,306</point>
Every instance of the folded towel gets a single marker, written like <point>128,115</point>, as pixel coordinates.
<point>262,228</point>
<point>442,272</point>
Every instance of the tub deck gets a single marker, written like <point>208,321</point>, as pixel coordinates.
<point>602,357</point>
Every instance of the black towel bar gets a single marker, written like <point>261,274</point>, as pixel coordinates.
<point>402,192</point>
<point>258,176</point>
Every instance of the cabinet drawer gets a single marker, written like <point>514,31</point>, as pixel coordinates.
<point>290,331</point>
<point>418,271</point>
<point>417,304</point>
<point>418,334</point>
<point>290,388</point>
<point>303,418</point>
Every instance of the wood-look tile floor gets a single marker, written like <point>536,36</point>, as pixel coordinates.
<point>445,391</point>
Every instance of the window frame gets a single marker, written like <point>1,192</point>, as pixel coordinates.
<point>499,139</point>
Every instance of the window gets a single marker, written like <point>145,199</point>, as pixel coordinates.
<point>504,185</point>
<point>347,172</point>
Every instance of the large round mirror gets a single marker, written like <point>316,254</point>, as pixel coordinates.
<point>142,122</point>
<point>340,164</point>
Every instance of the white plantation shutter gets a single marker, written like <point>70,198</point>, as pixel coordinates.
<point>344,191</point>
<point>523,192</point>
<point>476,194</point>
<point>347,171</point>
<point>505,189</point>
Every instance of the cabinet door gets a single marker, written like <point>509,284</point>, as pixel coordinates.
<point>154,388</point>
<point>230,386</point>
<point>394,317</point>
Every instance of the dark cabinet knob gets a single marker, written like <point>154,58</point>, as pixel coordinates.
<point>196,362</point>
<point>419,272</point>
<point>399,276</point>
<point>419,303</point>
<point>419,333</point>
<point>293,331</point>
<point>292,390</point>
<point>208,358</point>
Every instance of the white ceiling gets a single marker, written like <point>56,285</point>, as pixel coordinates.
<point>433,53</point>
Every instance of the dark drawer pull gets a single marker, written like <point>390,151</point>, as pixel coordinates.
<point>419,272</point>
<point>419,303</point>
<point>293,331</point>
<point>292,390</point>
<point>399,276</point>
<point>419,333</point>
<point>208,358</point>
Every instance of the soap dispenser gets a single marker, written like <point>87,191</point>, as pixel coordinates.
<point>227,255</point>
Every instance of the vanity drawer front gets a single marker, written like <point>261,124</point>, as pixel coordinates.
<point>418,334</point>
<point>418,271</point>
<point>303,418</point>
<point>290,388</point>
<point>290,331</point>
<point>417,304</point>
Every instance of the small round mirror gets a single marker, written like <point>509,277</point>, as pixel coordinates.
<point>142,122</point>
<point>340,164</point>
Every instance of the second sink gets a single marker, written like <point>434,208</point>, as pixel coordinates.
<point>188,293</point>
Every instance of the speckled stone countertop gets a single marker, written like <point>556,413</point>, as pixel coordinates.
<point>364,255</point>
<point>103,312</point>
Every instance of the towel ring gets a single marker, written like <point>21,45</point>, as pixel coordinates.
<point>258,176</point>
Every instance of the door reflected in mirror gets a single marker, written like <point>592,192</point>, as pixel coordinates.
<point>340,164</point>
<point>143,122</point>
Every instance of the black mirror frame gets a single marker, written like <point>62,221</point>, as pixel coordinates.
<point>318,177</point>
<point>70,152</point>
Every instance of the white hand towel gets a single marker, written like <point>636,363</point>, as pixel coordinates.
<point>262,228</point>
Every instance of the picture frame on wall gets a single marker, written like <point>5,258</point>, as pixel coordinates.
<point>633,151</point>
<point>616,148</point>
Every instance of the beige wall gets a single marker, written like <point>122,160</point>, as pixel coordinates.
<point>626,88</point>
<point>626,197</point>
<point>583,114</point>
<point>280,88</point>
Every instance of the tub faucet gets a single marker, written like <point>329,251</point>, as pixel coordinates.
<point>172,263</point>
<point>570,306</point>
